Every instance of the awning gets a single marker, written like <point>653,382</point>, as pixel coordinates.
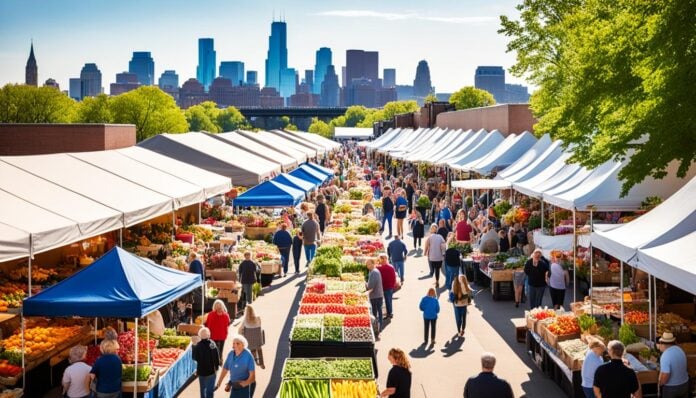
<point>451,149</point>
<point>299,140</point>
<point>401,140</point>
<point>183,193</point>
<point>487,143</point>
<point>294,182</point>
<point>119,284</point>
<point>462,148</point>
<point>672,262</point>
<point>265,151</point>
<point>14,243</point>
<point>424,139</point>
<point>441,143</point>
<point>213,184</point>
<point>360,133</point>
<point>317,139</point>
<point>269,194</point>
<point>550,177</point>
<point>323,170</point>
<point>201,150</point>
<point>482,183</point>
<point>281,144</point>
<point>308,174</point>
<point>528,158</point>
<point>506,153</point>
<point>388,136</point>
<point>137,203</point>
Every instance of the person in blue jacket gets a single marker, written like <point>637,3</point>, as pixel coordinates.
<point>283,240</point>
<point>430,307</point>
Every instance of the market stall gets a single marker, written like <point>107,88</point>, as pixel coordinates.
<point>504,154</point>
<point>269,194</point>
<point>265,151</point>
<point>278,144</point>
<point>320,149</point>
<point>121,285</point>
<point>294,182</point>
<point>309,174</point>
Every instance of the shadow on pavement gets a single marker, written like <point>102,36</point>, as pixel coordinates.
<point>283,347</point>
<point>422,351</point>
<point>453,346</point>
<point>280,282</point>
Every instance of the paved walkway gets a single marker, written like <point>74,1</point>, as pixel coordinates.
<point>438,371</point>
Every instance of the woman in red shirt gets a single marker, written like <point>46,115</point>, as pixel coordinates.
<point>218,321</point>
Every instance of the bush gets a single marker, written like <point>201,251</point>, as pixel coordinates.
<point>423,201</point>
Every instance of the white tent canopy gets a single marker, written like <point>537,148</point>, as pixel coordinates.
<point>201,150</point>
<point>280,145</point>
<point>480,150</point>
<point>265,151</point>
<point>183,193</point>
<point>213,184</point>
<point>427,140</point>
<point>14,243</point>
<point>471,141</point>
<point>506,153</point>
<point>405,142</point>
<point>528,158</point>
<point>482,183</point>
<point>671,262</point>
<point>320,149</point>
<point>674,218</point>
<point>401,140</point>
<point>137,203</point>
<point>319,140</point>
<point>91,217</point>
<point>428,152</point>
<point>361,133</point>
<point>388,136</point>
<point>553,175</point>
<point>454,147</point>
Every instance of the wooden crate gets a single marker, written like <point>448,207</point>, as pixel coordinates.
<point>140,386</point>
<point>258,232</point>
<point>270,268</point>
<point>232,296</point>
<point>503,275</point>
<point>553,339</point>
<point>231,284</point>
<point>647,377</point>
<point>189,329</point>
<point>642,330</point>
<point>531,323</point>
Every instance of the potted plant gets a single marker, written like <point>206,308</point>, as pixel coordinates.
<point>422,204</point>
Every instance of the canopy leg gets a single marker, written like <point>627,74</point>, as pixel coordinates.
<point>591,266</point>
<point>575,274</point>
<point>135,368</point>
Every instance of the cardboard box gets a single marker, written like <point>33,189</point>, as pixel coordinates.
<point>189,329</point>
<point>224,285</point>
<point>647,377</point>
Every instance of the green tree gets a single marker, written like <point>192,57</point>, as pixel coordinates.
<point>231,119</point>
<point>320,127</point>
<point>29,104</point>
<point>471,97</point>
<point>430,98</point>
<point>199,120</point>
<point>151,110</point>
<point>613,79</point>
<point>94,110</point>
<point>355,114</point>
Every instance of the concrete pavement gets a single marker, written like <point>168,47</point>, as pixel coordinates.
<point>438,371</point>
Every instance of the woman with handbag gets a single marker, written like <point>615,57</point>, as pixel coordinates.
<point>460,296</point>
<point>401,211</point>
<point>253,332</point>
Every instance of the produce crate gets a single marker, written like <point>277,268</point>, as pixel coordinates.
<point>531,323</point>
<point>258,233</point>
<point>504,275</point>
<point>642,330</point>
<point>232,296</point>
<point>268,267</point>
<point>330,360</point>
<point>189,329</point>
<point>553,339</point>
<point>140,386</point>
<point>647,377</point>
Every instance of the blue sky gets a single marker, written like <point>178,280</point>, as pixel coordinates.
<point>454,36</point>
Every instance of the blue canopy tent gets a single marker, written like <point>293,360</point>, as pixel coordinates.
<point>270,194</point>
<point>323,170</point>
<point>119,284</point>
<point>309,174</point>
<point>294,182</point>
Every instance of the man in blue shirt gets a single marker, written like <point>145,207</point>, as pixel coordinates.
<point>397,255</point>
<point>242,369</point>
<point>196,266</point>
<point>445,214</point>
<point>674,376</point>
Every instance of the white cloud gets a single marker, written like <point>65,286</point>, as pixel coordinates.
<point>405,16</point>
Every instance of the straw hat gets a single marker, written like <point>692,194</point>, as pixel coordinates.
<point>667,337</point>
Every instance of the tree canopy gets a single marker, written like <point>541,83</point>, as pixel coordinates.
<point>615,79</point>
<point>29,104</point>
<point>360,116</point>
<point>471,97</point>
<point>151,110</point>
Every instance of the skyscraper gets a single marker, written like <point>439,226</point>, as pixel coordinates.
<point>491,79</point>
<point>288,82</point>
<point>31,76</point>
<point>125,82</point>
<point>90,81</point>
<point>323,60</point>
<point>329,88</point>
<point>169,80</point>
<point>309,80</point>
<point>389,78</point>
<point>75,91</point>
<point>205,72</point>
<point>233,70</point>
<point>143,66</point>
<point>252,77</point>
<point>277,58</point>
<point>421,84</point>
<point>362,69</point>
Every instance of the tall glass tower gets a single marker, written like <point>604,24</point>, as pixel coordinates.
<point>233,70</point>
<point>323,60</point>
<point>90,81</point>
<point>143,66</point>
<point>422,85</point>
<point>205,72</point>
<point>277,58</point>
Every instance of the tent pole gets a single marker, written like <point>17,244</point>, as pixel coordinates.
<point>202,301</point>
<point>575,274</point>
<point>120,237</point>
<point>542,216</point>
<point>199,212</point>
<point>654,325</point>
<point>591,265</point>
<point>621,270</point>
<point>135,368</point>
<point>24,368</point>
<point>95,330</point>
<point>173,225</point>
<point>31,257</point>
<point>650,285</point>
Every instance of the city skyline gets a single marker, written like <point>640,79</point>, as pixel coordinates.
<point>467,37</point>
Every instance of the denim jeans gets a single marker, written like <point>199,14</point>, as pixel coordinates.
<point>681,391</point>
<point>429,324</point>
<point>284,258</point>
<point>244,392</point>
<point>388,294</point>
<point>460,318</point>
<point>536,296</point>
<point>388,218</point>
<point>207,385</point>
<point>116,394</point>
<point>399,267</point>
<point>589,392</point>
<point>376,304</point>
<point>310,251</point>
<point>451,275</point>
<point>247,289</point>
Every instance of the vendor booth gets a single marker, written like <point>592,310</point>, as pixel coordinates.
<point>270,194</point>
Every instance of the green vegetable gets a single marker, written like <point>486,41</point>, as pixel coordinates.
<point>335,320</point>
<point>333,334</point>
<point>128,373</point>
<point>586,322</point>
<point>341,368</point>
<point>331,251</point>
<point>297,388</point>
<point>627,335</point>
<point>501,257</point>
<point>423,201</point>
<point>306,334</point>
<point>355,194</point>
<point>181,342</point>
<point>606,330</point>
<point>14,357</point>
<point>502,208</point>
